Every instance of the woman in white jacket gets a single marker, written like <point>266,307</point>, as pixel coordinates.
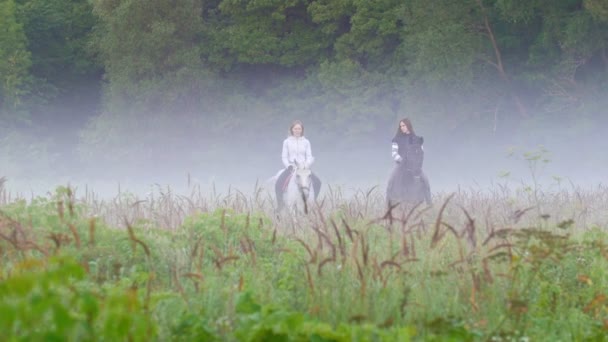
<point>296,149</point>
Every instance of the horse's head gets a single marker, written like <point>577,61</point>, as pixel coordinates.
<point>303,178</point>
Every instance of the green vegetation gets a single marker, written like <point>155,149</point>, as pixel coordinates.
<point>234,274</point>
<point>120,75</point>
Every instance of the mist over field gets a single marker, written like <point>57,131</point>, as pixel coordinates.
<point>105,95</point>
<point>247,153</point>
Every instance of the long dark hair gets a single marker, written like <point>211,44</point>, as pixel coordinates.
<point>407,123</point>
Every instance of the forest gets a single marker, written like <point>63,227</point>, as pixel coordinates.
<point>190,84</point>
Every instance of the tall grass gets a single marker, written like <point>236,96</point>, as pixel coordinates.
<point>502,263</point>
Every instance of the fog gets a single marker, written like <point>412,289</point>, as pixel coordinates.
<point>477,154</point>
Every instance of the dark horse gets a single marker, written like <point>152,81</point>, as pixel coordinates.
<point>408,183</point>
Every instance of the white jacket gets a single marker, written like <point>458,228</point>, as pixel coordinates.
<point>297,149</point>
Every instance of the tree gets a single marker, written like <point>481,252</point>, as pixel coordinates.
<point>14,65</point>
<point>58,33</point>
<point>150,49</point>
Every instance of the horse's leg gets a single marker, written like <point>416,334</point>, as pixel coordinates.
<point>426,189</point>
<point>309,204</point>
<point>278,188</point>
<point>292,197</point>
<point>316,185</point>
<point>391,189</point>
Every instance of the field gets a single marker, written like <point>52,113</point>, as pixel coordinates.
<point>516,263</point>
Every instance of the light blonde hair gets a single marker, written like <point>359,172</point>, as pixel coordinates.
<point>293,124</point>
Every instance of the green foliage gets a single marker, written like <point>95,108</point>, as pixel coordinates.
<point>15,61</point>
<point>349,67</point>
<point>46,75</point>
<point>226,230</point>
<point>58,34</point>
<point>202,66</point>
<point>374,34</point>
<point>151,54</point>
<point>439,43</point>
<point>263,33</point>
<point>597,8</point>
<point>228,275</point>
<point>49,300</point>
<point>149,49</point>
<point>257,323</point>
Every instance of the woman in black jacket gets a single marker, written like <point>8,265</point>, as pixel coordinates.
<point>408,183</point>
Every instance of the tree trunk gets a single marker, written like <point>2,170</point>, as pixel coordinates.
<point>521,108</point>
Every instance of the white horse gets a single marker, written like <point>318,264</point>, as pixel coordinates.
<point>300,194</point>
